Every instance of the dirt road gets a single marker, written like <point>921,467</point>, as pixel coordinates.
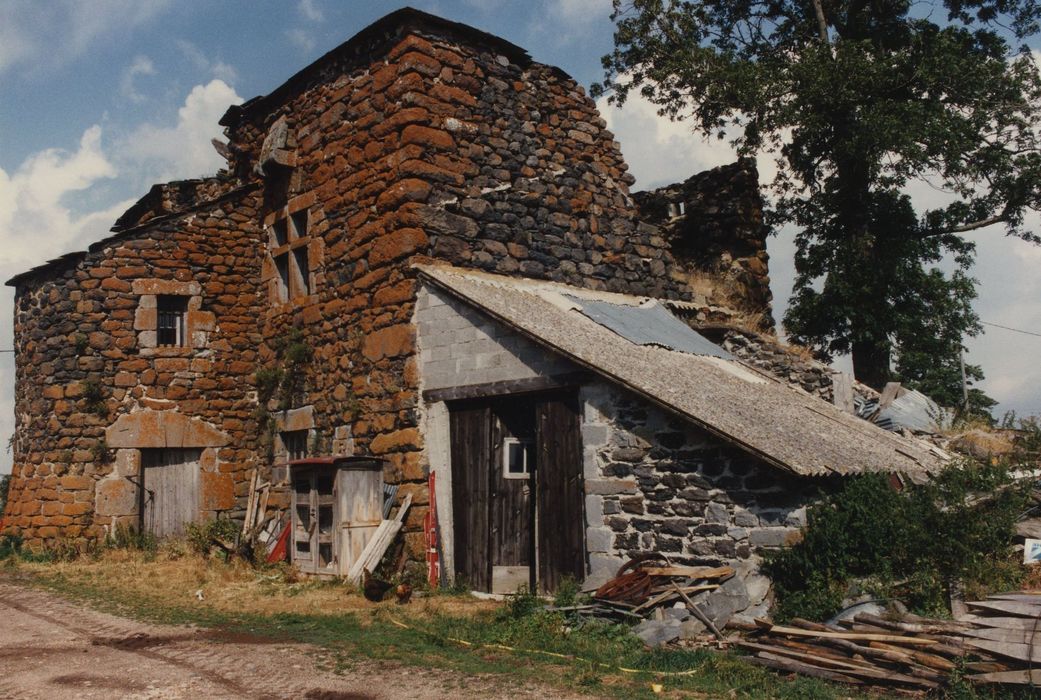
<point>55,649</point>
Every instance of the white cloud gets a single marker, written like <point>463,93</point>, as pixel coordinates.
<point>49,203</point>
<point>183,150</point>
<point>310,11</point>
<point>51,33</point>
<point>141,65</point>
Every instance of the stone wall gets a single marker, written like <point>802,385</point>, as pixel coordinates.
<point>82,369</point>
<point>655,483</point>
<point>713,224</point>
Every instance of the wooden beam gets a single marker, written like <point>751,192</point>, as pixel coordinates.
<point>512,386</point>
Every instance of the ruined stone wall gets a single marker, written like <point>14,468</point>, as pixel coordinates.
<point>655,483</point>
<point>713,223</point>
<point>91,382</point>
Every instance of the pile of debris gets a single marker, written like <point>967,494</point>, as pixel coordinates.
<point>668,601</point>
<point>999,642</point>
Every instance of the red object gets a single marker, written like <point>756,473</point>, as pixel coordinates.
<point>281,546</point>
<point>430,537</point>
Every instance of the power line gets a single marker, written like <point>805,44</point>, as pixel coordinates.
<point>1008,328</point>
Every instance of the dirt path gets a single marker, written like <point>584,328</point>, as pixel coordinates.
<point>55,649</point>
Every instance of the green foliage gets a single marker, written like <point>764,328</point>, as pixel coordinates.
<point>10,546</point>
<point>284,381</point>
<point>80,341</point>
<point>568,593</point>
<point>200,536</point>
<point>127,537</point>
<point>857,102</point>
<point>94,398</point>
<point>5,488</point>
<point>521,604</point>
<point>912,545</point>
<point>100,452</point>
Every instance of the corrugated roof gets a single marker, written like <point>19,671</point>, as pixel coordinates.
<point>649,324</point>
<point>768,418</point>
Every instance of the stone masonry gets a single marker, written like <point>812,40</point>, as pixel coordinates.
<point>417,139</point>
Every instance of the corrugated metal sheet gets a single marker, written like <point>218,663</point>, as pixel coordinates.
<point>649,324</point>
<point>913,410</point>
<point>771,420</point>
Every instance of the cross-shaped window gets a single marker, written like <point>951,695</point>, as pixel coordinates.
<point>288,242</point>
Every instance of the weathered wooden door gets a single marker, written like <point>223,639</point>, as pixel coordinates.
<point>470,434</point>
<point>517,492</point>
<point>314,519</point>
<point>561,502</point>
<point>170,490</point>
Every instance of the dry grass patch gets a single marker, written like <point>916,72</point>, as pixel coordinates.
<point>174,577</point>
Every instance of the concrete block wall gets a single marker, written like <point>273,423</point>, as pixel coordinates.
<point>460,346</point>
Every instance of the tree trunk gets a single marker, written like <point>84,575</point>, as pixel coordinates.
<point>871,363</point>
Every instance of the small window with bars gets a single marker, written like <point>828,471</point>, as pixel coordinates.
<point>170,327</point>
<point>295,443</point>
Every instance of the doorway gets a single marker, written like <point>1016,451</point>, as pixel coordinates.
<point>517,491</point>
<point>314,525</point>
<point>169,490</point>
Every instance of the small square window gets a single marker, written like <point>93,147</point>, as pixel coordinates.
<point>170,313</point>
<point>295,442</point>
<point>517,458</point>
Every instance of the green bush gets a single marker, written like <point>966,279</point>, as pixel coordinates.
<point>5,487</point>
<point>126,537</point>
<point>200,536</point>
<point>913,544</point>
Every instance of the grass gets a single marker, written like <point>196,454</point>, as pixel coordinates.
<point>162,587</point>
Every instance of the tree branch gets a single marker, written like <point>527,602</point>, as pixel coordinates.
<point>822,23</point>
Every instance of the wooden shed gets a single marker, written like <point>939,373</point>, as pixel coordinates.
<point>337,505</point>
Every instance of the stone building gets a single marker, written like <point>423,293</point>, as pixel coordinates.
<point>424,248</point>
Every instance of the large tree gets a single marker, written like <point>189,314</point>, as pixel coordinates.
<point>857,100</point>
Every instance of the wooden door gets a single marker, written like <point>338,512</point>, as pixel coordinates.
<point>561,506</point>
<point>470,434</point>
<point>314,521</point>
<point>511,498</point>
<point>170,490</point>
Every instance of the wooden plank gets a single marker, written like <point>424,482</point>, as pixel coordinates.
<point>867,637</point>
<point>1024,677</point>
<point>842,392</point>
<point>561,500</point>
<point>247,522</point>
<point>511,500</point>
<point>885,676</point>
<point>1008,623</point>
<point>1011,607</point>
<point>1011,650</point>
<point>1032,598</point>
<point>509,387</point>
<point>997,634</point>
<point>691,571</point>
<point>470,455</point>
<point>792,666</point>
<point>698,613</point>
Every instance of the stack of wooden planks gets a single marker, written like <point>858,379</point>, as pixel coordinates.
<point>649,582</point>
<point>1000,642</point>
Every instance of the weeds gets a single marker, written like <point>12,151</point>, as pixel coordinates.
<point>200,536</point>
<point>912,545</point>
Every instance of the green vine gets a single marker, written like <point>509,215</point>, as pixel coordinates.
<point>285,381</point>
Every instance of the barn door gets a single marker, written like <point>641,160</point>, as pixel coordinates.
<point>470,429</point>
<point>517,501</point>
<point>512,495</point>
<point>170,490</point>
<point>561,507</point>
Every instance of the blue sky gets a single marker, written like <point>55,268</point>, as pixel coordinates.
<point>102,98</point>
